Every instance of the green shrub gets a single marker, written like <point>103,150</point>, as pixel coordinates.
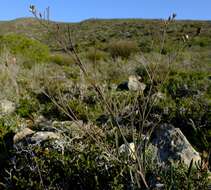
<point>85,164</point>
<point>31,50</point>
<point>7,126</point>
<point>165,107</point>
<point>95,55</point>
<point>27,107</point>
<point>193,109</point>
<point>61,59</point>
<point>185,84</point>
<point>178,176</point>
<point>145,46</point>
<point>201,41</point>
<point>123,49</point>
<point>52,111</point>
<point>87,110</point>
<point>141,71</point>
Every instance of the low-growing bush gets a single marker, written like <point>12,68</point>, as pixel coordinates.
<point>94,55</point>
<point>123,49</point>
<point>31,50</point>
<point>27,107</point>
<point>185,84</point>
<point>61,59</point>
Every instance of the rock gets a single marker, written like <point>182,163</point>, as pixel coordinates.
<point>172,145</point>
<point>22,134</point>
<point>159,186</point>
<point>43,136</point>
<point>128,150</point>
<point>7,107</point>
<point>133,84</point>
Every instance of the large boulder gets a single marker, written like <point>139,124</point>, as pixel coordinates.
<point>172,145</point>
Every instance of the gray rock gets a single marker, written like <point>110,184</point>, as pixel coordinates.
<point>134,84</point>
<point>172,145</point>
<point>159,185</point>
<point>43,136</point>
<point>7,107</point>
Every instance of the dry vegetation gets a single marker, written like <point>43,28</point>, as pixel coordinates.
<point>78,77</point>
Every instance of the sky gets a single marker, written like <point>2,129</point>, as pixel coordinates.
<point>78,10</point>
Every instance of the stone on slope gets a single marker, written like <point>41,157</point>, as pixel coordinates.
<point>22,135</point>
<point>133,84</point>
<point>43,136</point>
<point>173,145</point>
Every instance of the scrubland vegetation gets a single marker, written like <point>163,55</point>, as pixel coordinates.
<point>82,80</point>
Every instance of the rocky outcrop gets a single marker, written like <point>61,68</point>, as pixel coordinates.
<point>45,130</point>
<point>43,136</point>
<point>172,145</point>
<point>168,144</point>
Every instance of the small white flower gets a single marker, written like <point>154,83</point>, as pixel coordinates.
<point>186,36</point>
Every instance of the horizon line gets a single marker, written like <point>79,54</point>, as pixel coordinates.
<point>98,18</point>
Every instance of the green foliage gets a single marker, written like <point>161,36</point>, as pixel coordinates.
<point>52,111</point>
<point>178,177</point>
<point>141,71</point>
<point>77,169</point>
<point>7,126</point>
<point>61,59</point>
<point>201,41</point>
<point>194,110</point>
<point>32,50</point>
<point>123,49</point>
<point>92,163</point>
<point>27,107</point>
<point>87,110</point>
<point>94,55</point>
<point>145,46</point>
<point>165,107</point>
<point>86,165</point>
<point>185,84</point>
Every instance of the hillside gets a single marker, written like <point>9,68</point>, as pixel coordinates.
<point>126,106</point>
<point>98,33</point>
<point>104,31</point>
